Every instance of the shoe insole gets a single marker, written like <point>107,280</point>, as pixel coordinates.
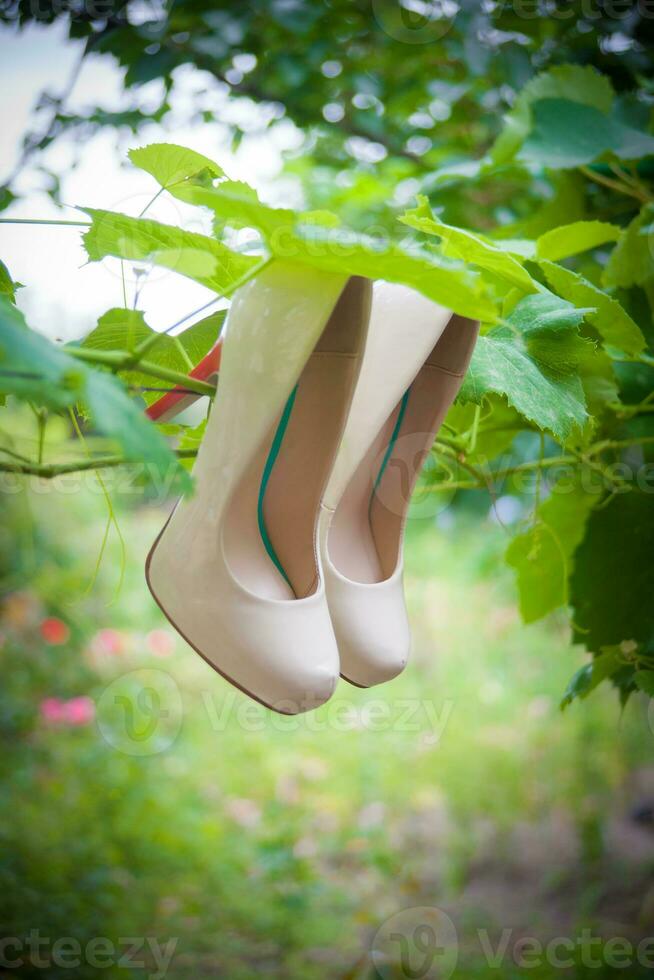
<point>366,532</point>
<point>270,538</point>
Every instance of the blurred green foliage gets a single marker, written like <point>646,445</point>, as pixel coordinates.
<point>280,846</point>
<point>144,798</point>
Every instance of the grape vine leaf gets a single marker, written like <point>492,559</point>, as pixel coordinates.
<point>117,416</point>
<point>644,680</point>
<point>542,556</point>
<point>533,367</point>
<point>31,367</point>
<point>123,330</point>
<point>566,134</point>
<point>566,240</point>
<point>34,369</point>
<point>461,244</point>
<point>546,312</point>
<point>342,251</point>
<point>565,207</point>
<point>608,663</point>
<point>7,285</point>
<point>610,319</point>
<point>632,260</point>
<point>191,438</point>
<point>170,164</point>
<point>583,85</point>
<point>552,401</point>
<point>315,238</point>
<point>612,583</point>
<point>198,257</point>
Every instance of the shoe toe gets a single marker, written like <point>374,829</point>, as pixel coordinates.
<point>372,629</point>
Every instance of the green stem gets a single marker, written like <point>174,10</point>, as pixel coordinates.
<point>151,202</point>
<point>601,447</point>
<point>615,185</point>
<point>42,419</point>
<point>149,342</point>
<point>44,221</point>
<point>47,471</point>
<point>14,455</point>
<point>123,361</point>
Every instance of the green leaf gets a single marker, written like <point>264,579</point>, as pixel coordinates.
<point>236,203</point>
<point>7,285</point>
<point>196,256</point>
<point>7,197</point>
<point>567,240</point>
<point>565,134</point>
<point>495,431</point>
<point>358,255</point>
<point>631,144</point>
<point>612,583</point>
<point>567,205</point>
<point>579,685</point>
<point>36,370</point>
<point>632,260</point>
<point>608,663</point>
<point>645,681</point>
<point>31,367</point>
<point>546,312</point>
<point>117,416</point>
<point>551,399</point>
<point>123,330</point>
<point>301,239</point>
<point>611,321</point>
<point>599,382</point>
<point>580,84</point>
<point>312,238</point>
<point>192,439</point>
<point>461,244</point>
<point>542,555</point>
<point>169,164</point>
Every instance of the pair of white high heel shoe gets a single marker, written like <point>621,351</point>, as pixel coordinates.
<point>284,569</point>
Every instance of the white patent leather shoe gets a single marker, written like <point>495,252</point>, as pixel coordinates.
<point>415,358</point>
<point>236,567</point>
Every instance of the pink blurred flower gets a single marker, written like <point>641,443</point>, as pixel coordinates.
<point>108,641</point>
<point>75,711</point>
<point>52,710</point>
<point>54,631</point>
<point>160,642</point>
<point>80,711</point>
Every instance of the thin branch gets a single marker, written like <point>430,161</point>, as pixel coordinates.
<point>615,185</point>
<point>48,471</point>
<point>124,361</point>
<point>44,221</point>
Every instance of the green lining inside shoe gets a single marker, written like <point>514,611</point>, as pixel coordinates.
<point>391,444</point>
<point>267,471</point>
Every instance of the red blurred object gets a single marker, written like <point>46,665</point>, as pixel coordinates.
<point>175,401</point>
<point>54,631</point>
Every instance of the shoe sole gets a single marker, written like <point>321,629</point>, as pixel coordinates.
<point>221,673</point>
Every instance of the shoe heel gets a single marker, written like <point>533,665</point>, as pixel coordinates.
<point>175,401</point>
